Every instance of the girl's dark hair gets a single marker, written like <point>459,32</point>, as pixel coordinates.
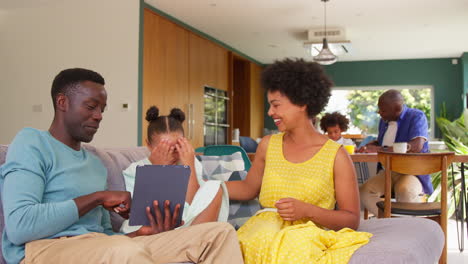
<point>304,83</point>
<point>333,119</point>
<point>164,124</point>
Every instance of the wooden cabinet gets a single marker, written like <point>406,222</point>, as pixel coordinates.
<point>177,65</point>
<point>165,67</point>
<point>257,102</point>
<point>208,67</point>
<point>248,98</point>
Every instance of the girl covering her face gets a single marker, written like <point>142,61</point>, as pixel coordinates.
<point>205,200</point>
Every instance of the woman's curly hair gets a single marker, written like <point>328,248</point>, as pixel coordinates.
<point>333,119</point>
<point>304,83</point>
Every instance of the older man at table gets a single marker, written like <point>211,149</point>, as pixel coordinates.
<point>398,123</point>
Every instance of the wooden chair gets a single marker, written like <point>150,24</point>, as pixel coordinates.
<point>416,164</point>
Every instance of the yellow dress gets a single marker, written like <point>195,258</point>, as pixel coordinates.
<point>267,238</point>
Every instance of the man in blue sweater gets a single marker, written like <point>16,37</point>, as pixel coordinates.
<point>56,205</point>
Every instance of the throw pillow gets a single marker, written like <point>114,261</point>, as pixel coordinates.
<point>221,167</point>
<point>230,168</point>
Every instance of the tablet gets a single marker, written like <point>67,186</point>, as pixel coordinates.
<point>160,183</point>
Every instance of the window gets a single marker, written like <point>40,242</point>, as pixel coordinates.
<point>360,105</point>
<point>215,124</point>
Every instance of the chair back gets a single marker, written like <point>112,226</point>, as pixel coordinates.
<point>418,164</point>
<point>415,163</point>
<point>248,144</point>
<point>200,150</point>
<point>220,150</point>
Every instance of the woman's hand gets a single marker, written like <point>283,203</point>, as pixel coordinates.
<point>157,223</point>
<point>291,209</point>
<point>186,152</point>
<point>162,154</point>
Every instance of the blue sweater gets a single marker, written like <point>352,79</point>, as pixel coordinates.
<point>39,180</point>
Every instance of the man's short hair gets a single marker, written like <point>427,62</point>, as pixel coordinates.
<point>67,81</point>
<point>392,96</point>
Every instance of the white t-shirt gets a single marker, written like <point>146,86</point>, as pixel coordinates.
<point>345,141</point>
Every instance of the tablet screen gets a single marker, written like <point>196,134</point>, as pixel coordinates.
<point>158,182</point>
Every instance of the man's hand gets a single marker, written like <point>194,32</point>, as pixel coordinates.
<point>369,148</point>
<point>117,201</point>
<point>157,223</point>
<point>162,154</point>
<point>291,209</point>
<point>416,145</point>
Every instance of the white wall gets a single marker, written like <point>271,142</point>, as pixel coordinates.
<point>39,40</point>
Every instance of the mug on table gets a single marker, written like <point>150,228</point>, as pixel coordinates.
<point>400,147</point>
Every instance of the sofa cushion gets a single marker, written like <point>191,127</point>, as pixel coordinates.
<point>116,160</point>
<point>230,168</point>
<point>221,167</point>
<point>3,151</point>
<point>400,240</point>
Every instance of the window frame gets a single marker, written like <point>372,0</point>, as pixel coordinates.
<point>400,87</point>
<point>216,124</point>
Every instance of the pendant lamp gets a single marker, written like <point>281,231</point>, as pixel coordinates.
<point>325,57</point>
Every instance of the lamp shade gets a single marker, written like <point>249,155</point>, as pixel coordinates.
<point>325,57</point>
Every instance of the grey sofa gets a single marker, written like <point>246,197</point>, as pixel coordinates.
<point>396,240</point>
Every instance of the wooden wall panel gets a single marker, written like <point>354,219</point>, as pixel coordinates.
<point>165,66</point>
<point>197,80</point>
<point>241,97</point>
<point>257,102</point>
<point>221,67</point>
<point>209,61</point>
<point>177,65</point>
<point>208,67</point>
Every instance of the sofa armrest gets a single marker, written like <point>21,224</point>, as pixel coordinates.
<point>400,240</point>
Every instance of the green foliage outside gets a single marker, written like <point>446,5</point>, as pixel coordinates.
<point>455,135</point>
<point>363,106</point>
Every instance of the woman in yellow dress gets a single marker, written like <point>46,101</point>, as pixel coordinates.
<point>305,182</point>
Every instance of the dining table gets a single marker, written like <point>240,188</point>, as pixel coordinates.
<point>372,157</point>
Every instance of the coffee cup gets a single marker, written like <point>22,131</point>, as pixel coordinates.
<point>400,147</point>
<point>349,148</point>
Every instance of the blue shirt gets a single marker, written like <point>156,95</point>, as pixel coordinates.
<point>39,180</point>
<point>412,123</point>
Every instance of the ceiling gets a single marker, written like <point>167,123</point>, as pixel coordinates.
<point>271,29</point>
<point>378,29</point>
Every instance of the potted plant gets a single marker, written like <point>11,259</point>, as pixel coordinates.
<point>455,136</point>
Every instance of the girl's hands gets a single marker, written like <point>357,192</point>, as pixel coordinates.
<point>186,152</point>
<point>163,154</point>
<point>291,209</point>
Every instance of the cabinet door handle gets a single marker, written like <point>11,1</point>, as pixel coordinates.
<point>193,122</point>
<point>190,121</point>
